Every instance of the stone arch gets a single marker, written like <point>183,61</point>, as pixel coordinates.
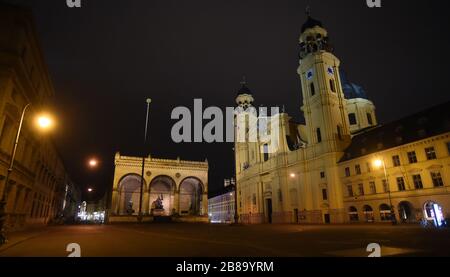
<point>191,190</point>
<point>162,195</point>
<point>406,211</point>
<point>129,189</point>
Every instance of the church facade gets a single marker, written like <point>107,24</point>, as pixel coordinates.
<point>341,165</point>
<point>171,188</point>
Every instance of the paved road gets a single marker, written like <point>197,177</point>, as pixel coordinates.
<point>202,240</point>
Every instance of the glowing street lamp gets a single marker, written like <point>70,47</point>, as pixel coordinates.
<point>90,190</point>
<point>379,163</point>
<point>43,122</point>
<point>93,163</point>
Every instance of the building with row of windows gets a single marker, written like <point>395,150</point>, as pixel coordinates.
<point>221,206</point>
<point>341,165</point>
<point>39,189</point>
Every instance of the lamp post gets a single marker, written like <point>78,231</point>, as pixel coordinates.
<point>44,123</point>
<point>148,101</point>
<point>380,163</point>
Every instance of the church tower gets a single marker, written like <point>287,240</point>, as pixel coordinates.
<point>327,125</point>
<point>244,151</point>
<point>324,105</point>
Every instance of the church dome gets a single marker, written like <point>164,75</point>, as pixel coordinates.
<point>351,90</point>
<point>311,23</point>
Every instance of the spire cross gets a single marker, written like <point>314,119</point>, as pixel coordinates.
<point>244,80</point>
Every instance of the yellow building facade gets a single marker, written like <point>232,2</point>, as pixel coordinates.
<point>305,180</point>
<point>37,187</point>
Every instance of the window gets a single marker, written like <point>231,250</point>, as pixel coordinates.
<point>324,194</point>
<point>347,172</point>
<point>266,152</point>
<point>373,188</point>
<point>319,135</point>
<point>358,169</point>
<point>401,184</point>
<point>350,190</point>
<point>361,189</point>
<point>417,179</point>
<point>369,119</point>
<point>313,89</point>
<point>369,167</point>
<point>353,214</point>
<point>396,160</point>
<point>385,212</point>
<point>322,174</point>
<point>352,119</point>
<point>332,85</point>
<point>431,153</point>
<point>412,157</point>
<point>385,185</point>
<point>437,179</point>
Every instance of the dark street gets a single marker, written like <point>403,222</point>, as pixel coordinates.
<point>202,240</point>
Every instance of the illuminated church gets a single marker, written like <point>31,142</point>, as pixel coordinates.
<point>341,165</point>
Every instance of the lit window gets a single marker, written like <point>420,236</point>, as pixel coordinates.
<point>431,153</point>
<point>322,174</point>
<point>412,158</point>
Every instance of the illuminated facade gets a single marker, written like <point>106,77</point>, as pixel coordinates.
<point>221,207</point>
<point>173,188</point>
<point>37,187</point>
<point>322,170</point>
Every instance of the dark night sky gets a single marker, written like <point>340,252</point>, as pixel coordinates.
<point>108,56</point>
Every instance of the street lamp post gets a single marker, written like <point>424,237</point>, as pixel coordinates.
<point>379,163</point>
<point>44,122</point>
<point>148,101</point>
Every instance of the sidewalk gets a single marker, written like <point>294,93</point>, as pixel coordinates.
<point>20,236</point>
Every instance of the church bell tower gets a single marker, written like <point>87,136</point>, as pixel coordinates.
<point>324,104</point>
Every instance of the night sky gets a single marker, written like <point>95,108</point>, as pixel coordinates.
<point>106,58</point>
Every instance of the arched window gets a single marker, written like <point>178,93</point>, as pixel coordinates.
<point>368,213</point>
<point>313,89</point>
<point>332,85</point>
<point>385,212</point>
<point>353,214</point>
